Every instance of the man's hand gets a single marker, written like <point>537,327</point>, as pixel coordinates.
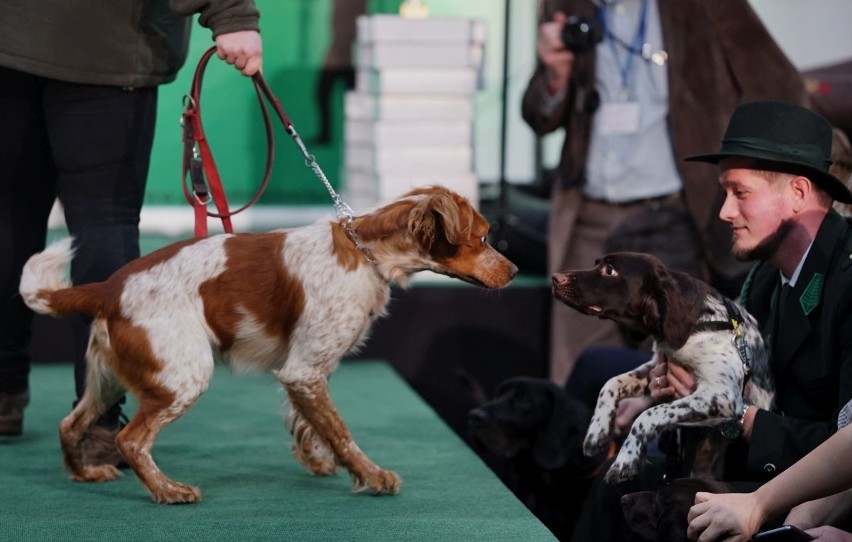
<point>556,58</point>
<point>241,49</point>
<point>670,380</point>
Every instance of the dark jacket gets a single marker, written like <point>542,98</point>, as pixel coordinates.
<point>812,363</point>
<point>111,42</point>
<point>709,73</point>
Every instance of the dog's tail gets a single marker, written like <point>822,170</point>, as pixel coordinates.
<point>46,289</point>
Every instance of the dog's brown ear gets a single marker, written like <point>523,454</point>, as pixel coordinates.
<point>440,215</point>
<point>673,316</point>
<point>640,512</point>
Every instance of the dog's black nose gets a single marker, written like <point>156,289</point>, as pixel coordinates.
<point>477,416</point>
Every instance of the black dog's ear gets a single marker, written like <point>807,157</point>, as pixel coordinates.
<point>640,512</point>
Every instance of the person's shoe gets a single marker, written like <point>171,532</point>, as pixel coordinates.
<point>12,412</point>
<point>99,447</point>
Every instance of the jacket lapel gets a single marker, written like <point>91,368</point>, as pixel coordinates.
<point>802,309</point>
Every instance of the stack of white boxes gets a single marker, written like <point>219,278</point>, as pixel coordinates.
<point>409,121</point>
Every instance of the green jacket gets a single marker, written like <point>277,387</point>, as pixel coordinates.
<point>127,43</point>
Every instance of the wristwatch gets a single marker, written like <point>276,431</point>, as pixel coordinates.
<point>733,428</point>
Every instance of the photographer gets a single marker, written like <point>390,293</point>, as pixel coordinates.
<point>637,85</point>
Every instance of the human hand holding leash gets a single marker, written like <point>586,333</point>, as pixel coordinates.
<point>243,50</point>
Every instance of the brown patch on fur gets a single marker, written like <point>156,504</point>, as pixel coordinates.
<point>343,247</point>
<point>101,298</point>
<point>273,297</point>
<point>134,362</point>
<point>442,226</point>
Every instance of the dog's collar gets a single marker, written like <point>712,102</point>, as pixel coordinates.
<point>346,224</point>
<point>733,323</point>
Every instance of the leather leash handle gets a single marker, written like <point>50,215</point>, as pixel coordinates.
<point>198,161</point>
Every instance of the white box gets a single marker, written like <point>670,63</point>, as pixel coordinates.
<point>393,133</point>
<point>385,55</point>
<point>381,28</point>
<point>443,160</point>
<point>458,81</point>
<point>415,107</point>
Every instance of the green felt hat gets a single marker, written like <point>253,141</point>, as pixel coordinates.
<point>787,135</point>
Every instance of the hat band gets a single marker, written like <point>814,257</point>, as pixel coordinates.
<point>804,154</point>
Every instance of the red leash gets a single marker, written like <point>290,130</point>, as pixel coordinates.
<point>198,161</point>
<point>199,167</point>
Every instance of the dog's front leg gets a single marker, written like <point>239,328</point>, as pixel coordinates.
<point>602,427</point>
<point>701,407</point>
<point>312,399</point>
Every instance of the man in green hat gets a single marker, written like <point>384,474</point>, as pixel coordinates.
<point>774,163</point>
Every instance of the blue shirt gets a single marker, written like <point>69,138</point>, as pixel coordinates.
<point>627,167</point>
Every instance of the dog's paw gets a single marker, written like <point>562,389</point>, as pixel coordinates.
<point>378,481</point>
<point>596,442</point>
<point>96,473</point>
<point>319,464</point>
<point>621,471</point>
<point>175,493</point>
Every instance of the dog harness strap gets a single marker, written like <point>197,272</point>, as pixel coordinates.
<point>733,324</point>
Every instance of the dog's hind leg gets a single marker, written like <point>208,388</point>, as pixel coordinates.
<point>188,367</point>
<point>102,391</point>
<point>312,400</point>
<point>309,448</point>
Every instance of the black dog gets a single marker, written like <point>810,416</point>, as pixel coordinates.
<point>536,430</point>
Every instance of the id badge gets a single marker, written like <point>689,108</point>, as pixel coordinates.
<point>619,118</point>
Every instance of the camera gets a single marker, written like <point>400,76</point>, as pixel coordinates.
<point>580,34</point>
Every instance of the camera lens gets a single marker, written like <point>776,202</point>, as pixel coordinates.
<point>580,34</point>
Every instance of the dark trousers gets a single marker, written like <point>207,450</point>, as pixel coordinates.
<point>89,146</point>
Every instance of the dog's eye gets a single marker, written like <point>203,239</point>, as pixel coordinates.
<point>483,240</point>
<point>609,270</point>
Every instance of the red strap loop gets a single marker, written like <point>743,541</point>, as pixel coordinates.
<point>198,161</point>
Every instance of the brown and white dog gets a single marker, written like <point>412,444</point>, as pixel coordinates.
<point>693,325</point>
<point>291,301</point>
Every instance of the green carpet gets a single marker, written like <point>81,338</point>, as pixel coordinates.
<point>233,445</point>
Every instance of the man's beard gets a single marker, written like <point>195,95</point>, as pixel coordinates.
<point>766,248</point>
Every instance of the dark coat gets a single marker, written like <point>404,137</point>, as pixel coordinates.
<point>812,363</point>
<point>719,53</point>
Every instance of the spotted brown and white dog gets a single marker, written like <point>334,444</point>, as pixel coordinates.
<point>691,324</point>
<point>291,301</point>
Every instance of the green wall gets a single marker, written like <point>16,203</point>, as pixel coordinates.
<point>295,37</point>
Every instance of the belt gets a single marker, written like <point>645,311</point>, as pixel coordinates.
<point>656,201</point>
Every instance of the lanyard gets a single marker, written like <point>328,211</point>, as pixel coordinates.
<point>635,48</point>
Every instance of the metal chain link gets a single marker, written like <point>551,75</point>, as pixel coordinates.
<point>345,216</point>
